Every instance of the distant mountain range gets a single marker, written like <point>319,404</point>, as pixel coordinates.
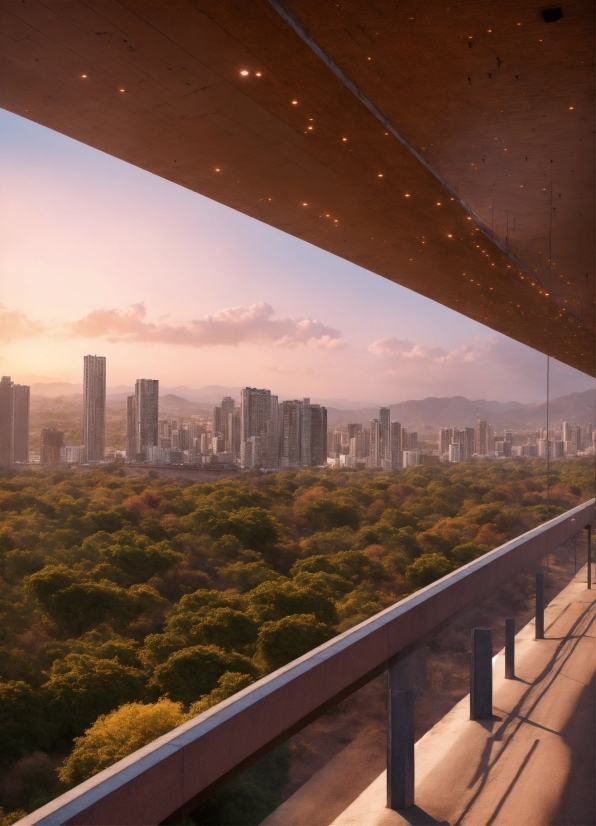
<point>461,412</point>
<point>432,412</point>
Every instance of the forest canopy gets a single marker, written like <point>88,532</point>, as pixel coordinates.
<point>129,602</point>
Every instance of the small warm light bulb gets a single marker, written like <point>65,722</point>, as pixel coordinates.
<point>450,236</point>
<point>344,139</point>
<point>571,107</point>
<point>294,103</point>
<point>407,195</point>
<point>258,74</point>
<point>243,72</point>
<point>83,75</point>
<point>380,175</point>
<point>122,90</point>
<point>217,169</point>
<point>310,127</point>
<point>438,203</point>
<point>305,204</point>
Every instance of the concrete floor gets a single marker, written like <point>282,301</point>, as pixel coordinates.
<point>533,764</point>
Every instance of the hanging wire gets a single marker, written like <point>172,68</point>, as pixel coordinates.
<point>548,310</point>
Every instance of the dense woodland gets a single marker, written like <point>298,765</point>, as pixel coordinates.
<point>129,603</point>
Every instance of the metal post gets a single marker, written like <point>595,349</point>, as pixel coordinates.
<point>589,530</point>
<point>481,675</point>
<point>400,750</point>
<point>510,649</point>
<point>403,677</point>
<point>539,606</point>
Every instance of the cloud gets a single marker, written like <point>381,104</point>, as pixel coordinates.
<point>15,325</point>
<point>404,352</point>
<point>490,367</point>
<point>231,326</point>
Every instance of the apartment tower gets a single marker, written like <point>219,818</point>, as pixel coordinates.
<point>142,418</point>
<point>94,408</point>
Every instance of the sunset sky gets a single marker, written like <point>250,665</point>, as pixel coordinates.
<point>97,256</point>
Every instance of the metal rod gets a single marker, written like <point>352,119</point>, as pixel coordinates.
<point>510,649</point>
<point>540,606</point>
<point>400,749</point>
<point>481,675</point>
<point>589,530</point>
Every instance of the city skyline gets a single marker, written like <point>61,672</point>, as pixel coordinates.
<point>251,304</point>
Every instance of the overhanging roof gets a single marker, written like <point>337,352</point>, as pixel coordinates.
<point>449,148</point>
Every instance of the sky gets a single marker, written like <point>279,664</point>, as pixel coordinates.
<point>98,256</point>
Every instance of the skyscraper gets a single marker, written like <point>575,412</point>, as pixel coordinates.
<point>52,441</point>
<point>314,435</point>
<point>444,440</point>
<point>396,445</point>
<point>255,416</point>
<point>227,407</point>
<point>6,421</point>
<point>131,439</point>
<point>375,443</point>
<point>94,408</point>
<point>21,403</point>
<point>481,437</point>
<point>14,422</point>
<point>291,434</point>
<point>146,403</point>
<point>385,437</point>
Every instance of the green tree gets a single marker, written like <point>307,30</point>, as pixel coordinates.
<point>281,641</point>
<point>81,687</point>
<point>228,684</point>
<point>23,726</point>
<point>116,735</point>
<point>188,674</point>
<point>426,569</point>
<point>226,628</point>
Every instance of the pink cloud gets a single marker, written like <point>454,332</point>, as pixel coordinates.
<point>15,325</point>
<point>231,326</point>
<point>404,352</point>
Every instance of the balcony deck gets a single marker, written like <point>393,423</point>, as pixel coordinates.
<point>533,763</point>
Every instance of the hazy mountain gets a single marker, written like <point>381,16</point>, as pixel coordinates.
<point>173,405</point>
<point>461,412</point>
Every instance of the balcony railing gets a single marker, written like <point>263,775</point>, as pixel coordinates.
<point>170,776</point>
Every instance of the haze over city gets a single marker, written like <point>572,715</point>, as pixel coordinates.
<point>98,255</point>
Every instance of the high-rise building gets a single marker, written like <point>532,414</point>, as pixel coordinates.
<point>234,433</point>
<point>131,438</point>
<point>21,422</point>
<point>216,425</point>
<point>353,429</point>
<point>444,440</point>
<point>396,445</point>
<point>14,422</point>
<point>481,437</point>
<point>259,418</point>
<point>469,437</point>
<point>385,437</point>
<point>254,411</point>
<point>94,408</point>
<point>227,407</point>
<point>314,435</point>
<point>52,441</point>
<point>490,438</point>
<point>146,405</point>
<point>6,421</point>
<point>291,434</point>
<point>375,443</point>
